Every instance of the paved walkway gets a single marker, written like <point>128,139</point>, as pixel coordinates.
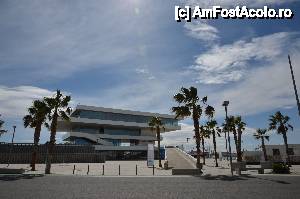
<point>178,160</point>
<point>111,168</point>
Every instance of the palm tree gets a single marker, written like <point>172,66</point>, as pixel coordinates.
<point>240,128</point>
<point>58,105</point>
<point>237,126</point>
<point>209,112</point>
<point>204,134</point>
<point>214,130</point>
<point>188,106</point>
<point>261,134</point>
<point>35,119</point>
<point>224,130</point>
<point>280,123</point>
<point>156,123</point>
<point>232,128</point>
<point>2,131</point>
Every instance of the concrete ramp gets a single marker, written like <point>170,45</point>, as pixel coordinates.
<point>177,159</point>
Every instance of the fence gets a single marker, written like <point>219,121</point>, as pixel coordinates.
<point>62,153</point>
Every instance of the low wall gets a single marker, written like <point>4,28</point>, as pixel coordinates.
<point>22,154</point>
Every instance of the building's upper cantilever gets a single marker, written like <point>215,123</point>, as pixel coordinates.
<point>121,111</point>
<point>100,116</point>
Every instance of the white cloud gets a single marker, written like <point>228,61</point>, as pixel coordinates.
<point>145,72</point>
<point>263,89</point>
<point>201,30</point>
<point>15,100</point>
<point>55,39</point>
<point>227,63</point>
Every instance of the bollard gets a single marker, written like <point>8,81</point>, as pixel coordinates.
<point>74,169</point>
<point>87,173</point>
<point>136,170</point>
<point>103,169</point>
<point>119,170</point>
<point>153,169</point>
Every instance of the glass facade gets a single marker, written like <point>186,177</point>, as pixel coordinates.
<point>120,117</point>
<point>109,131</point>
<point>82,141</point>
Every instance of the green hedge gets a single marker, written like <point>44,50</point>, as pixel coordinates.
<point>281,168</point>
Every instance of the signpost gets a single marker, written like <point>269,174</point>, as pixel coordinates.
<point>150,155</point>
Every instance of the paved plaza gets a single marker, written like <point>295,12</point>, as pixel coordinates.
<point>216,187</point>
<point>176,160</point>
<point>111,168</point>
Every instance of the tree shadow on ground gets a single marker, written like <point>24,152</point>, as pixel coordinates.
<point>241,177</point>
<point>223,177</point>
<point>19,177</point>
<point>272,180</point>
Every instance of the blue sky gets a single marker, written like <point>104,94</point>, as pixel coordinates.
<point>133,55</point>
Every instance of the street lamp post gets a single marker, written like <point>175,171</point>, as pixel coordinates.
<point>294,84</point>
<point>225,104</point>
<point>12,143</point>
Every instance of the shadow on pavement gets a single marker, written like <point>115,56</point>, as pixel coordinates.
<point>223,177</point>
<point>272,180</point>
<point>241,177</point>
<point>19,177</point>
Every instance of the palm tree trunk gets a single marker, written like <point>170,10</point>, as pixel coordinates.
<point>235,142</point>
<point>37,132</point>
<point>52,142</point>
<point>226,145</point>
<point>286,148</point>
<point>215,148</point>
<point>264,148</point>
<point>203,149</point>
<point>197,135</point>
<point>239,147</point>
<point>158,145</point>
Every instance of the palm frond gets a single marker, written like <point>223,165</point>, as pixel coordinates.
<point>64,115</point>
<point>65,101</point>
<point>210,111</point>
<point>27,119</point>
<point>193,93</point>
<point>290,126</point>
<point>179,98</point>
<point>204,100</point>
<point>181,111</point>
<point>267,137</point>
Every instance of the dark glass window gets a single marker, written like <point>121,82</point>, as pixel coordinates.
<point>276,152</point>
<point>121,117</point>
<point>101,130</point>
<point>131,132</point>
<point>291,151</point>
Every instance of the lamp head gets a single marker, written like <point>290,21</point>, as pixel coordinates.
<point>225,103</point>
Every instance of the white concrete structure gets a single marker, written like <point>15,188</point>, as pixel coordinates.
<point>113,129</point>
<point>278,152</point>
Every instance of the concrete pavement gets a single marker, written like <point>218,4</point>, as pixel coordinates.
<point>178,160</point>
<point>216,187</point>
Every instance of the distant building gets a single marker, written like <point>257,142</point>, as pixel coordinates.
<point>194,153</point>
<point>252,156</point>
<point>113,130</point>
<point>226,155</point>
<point>278,152</point>
<point>275,153</point>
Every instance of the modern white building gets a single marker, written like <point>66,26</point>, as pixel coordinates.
<point>113,129</point>
<point>278,152</point>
